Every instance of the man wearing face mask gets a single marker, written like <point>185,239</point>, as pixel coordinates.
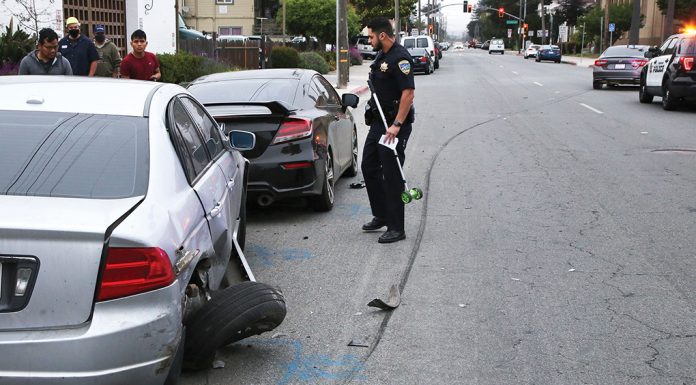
<point>79,50</point>
<point>109,57</point>
<point>392,77</point>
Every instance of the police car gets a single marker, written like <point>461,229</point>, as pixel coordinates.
<point>670,73</point>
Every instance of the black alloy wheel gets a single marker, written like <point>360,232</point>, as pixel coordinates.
<point>325,201</point>
<point>354,166</point>
<point>669,102</point>
<point>597,85</point>
<point>643,95</point>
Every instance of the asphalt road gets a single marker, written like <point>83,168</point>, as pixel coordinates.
<point>555,245</point>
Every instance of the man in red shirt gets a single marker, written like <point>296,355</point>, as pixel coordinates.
<point>140,64</point>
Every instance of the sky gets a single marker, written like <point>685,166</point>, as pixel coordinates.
<point>457,20</point>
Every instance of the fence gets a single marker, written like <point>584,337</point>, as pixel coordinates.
<point>246,54</point>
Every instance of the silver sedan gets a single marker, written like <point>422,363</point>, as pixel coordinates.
<point>121,233</point>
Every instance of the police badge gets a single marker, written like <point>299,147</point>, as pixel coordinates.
<point>384,66</point>
<point>405,67</point>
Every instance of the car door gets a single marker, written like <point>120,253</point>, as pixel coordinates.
<point>207,180</point>
<point>339,128</point>
<point>658,65</point>
<point>223,225</point>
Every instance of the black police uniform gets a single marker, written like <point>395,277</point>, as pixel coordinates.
<point>391,73</point>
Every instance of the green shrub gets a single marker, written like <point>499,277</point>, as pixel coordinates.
<point>284,57</point>
<point>330,57</point>
<point>14,46</point>
<point>314,61</point>
<point>183,67</point>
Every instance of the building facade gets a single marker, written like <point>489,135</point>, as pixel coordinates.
<point>231,17</point>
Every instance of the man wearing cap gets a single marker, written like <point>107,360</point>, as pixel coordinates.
<point>109,57</point>
<point>79,50</point>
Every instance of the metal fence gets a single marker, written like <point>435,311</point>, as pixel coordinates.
<point>247,54</point>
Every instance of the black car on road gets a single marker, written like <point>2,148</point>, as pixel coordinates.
<point>422,61</point>
<point>305,135</point>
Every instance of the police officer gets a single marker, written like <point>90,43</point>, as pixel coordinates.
<point>392,77</point>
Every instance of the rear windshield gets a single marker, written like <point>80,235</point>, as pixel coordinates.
<point>625,51</point>
<point>244,90</point>
<point>418,51</point>
<point>422,42</point>
<point>496,41</point>
<point>687,47</point>
<point>73,155</point>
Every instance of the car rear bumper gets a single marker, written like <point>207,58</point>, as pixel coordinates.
<point>420,67</point>
<point>130,340</point>
<point>614,76</point>
<point>683,87</point>
<point>550,57</point>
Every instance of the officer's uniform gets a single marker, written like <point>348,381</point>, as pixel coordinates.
<point>391,73</point>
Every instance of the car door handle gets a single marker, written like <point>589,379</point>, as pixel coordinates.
<point>216,210</point>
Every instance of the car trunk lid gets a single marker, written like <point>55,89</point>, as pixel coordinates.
<point>60,240</point>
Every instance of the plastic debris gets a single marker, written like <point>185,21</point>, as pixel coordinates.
<point>571,270</point>
<point>218,364</point>
<point>393,300</point>
<point>359,344</point>
<point>515,279</point>
<point>358,313</point>
<point>305,237</point>
<point>278,335</point>
<point>358,185</point>
<point>462,305</point>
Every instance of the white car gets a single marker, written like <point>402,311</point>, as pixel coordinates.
<point>122,228</point>
<point>422,41</point>
<point>458,45</point>
<point>496,45</point>
<point>531,51</point>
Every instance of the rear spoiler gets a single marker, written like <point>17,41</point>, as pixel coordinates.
<point>250,108</point>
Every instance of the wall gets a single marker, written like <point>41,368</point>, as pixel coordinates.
<point>157,18</point>
<point>209,15</point>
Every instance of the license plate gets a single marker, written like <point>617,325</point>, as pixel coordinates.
<point>619,66</point>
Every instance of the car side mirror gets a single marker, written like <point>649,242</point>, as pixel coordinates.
<point>242,140</point>
<point>349,100</point>
<point>648,55</point>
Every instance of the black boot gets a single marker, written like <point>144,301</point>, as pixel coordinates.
<point>391,236</point>
<point>374,224</point>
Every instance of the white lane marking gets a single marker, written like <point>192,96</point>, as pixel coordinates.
<point>556,92</point>
<point>515,72</point>
<point>644,132</point>
<point>500,66</point>
<point>591,108</point>
<point>539,84</point>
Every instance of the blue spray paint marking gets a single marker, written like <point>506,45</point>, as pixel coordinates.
<point>314,367</point>
<point>288,254</point>
<point>353,209</point>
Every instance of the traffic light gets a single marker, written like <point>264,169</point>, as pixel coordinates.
<point>501,12</point>
<point>525,27</point>
<point>471,8</point>
<point>466,6</point>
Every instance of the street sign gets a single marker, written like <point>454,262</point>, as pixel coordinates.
<point>563,33</point>
<point>414,31</point>
<point>540,33</point>
<point>531,33</point>
<point>511,22</point>
<point>612,27</point>
<point>509,32</point>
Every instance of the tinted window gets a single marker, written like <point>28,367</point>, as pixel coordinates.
<point>670,47</point>
<point>73,155</point>
<point>210,131</point>
<point>624,51</point>
<point>687,47</point>
<point>326,89</point>
<point>191,140</point>
<point>422,42</point>
<point>409,43</point>
<point>242,90</point>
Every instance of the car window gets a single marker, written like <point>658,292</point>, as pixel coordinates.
<point>193,151</point>
<point>687,46</point>
<point>326,89</point>
<point>243,90</point>
<point>663,47</point>
<point>422,42</point>
<point>73,155</point>
<point>624,51</point>
<point>496,42</point>
<point>409,43</point>
<point>670,47</point>
<point>207,126</point>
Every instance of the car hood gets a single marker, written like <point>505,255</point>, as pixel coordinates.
<point>65,236</point>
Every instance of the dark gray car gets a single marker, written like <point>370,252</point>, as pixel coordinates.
<point>619,65</point>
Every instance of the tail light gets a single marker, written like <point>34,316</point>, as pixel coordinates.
<point>687,62</point>
<point>600,63</point>
<point>296,165</point>
<point>638,63</point>
<point>293,129</point>
<point>423,59</point>
<point>130,271</point>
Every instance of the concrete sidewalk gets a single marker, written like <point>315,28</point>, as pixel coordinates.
<point>587,62</point>
<point>357,79</point>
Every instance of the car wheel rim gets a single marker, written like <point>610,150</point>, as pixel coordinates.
<point>355,149</point>
<point>329,178</point>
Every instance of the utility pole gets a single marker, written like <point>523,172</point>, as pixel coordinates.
<point>605,27</point>
<point>669,20</point>
<point>397,21</point>
<point>634,35</point>
<point>543,23</point>
<point>284,6</point>
<point>418,25</point>
<point>342,43</point>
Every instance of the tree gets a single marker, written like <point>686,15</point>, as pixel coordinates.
<point>683,9</point>
<point>570,10</point>
<point>29,16</point>
<point>620,16</point>
<point>369,9</point>
<point>317,18</point>
<point>14,46</point>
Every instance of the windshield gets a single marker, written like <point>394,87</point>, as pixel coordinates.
<point>497,41</point>
<point>73,155</point>
<point>243,90</point>
<point>625,51</point>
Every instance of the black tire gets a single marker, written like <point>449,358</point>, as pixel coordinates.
<point>325,201</point>
<point>437,64</point>
<point>597,85</point>
<point>669,103</point>
<point>643,95</point>
<point>354,166</point>
<point>537,60</point>
<point>232,314</point>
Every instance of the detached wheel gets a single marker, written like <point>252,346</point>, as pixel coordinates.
<point>643,95</point>
<point>325,201</point>
<point>669,102</point>
<point>597,85</point>
<point>232,314</point>
<point>353,169</point>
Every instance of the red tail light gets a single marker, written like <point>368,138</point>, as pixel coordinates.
<point>687,62</point>
<point>130,271</point>
<point>296,165</point>
<point>638,63</point>
<point>600,63</point>
<point>423,59</point>
<point>293,129</point>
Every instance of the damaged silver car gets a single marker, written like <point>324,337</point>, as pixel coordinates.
<point>122,225</point>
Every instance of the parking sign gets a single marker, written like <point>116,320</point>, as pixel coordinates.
<point>612,27</point>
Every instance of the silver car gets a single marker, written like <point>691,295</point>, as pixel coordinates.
<point>121,233</point>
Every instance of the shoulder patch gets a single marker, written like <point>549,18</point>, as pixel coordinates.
<point>405,67</point>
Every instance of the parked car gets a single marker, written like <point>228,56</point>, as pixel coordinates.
<point>485,45</point>
<point>123,224</point>
<point>438,51</point>
<point>549,52</point>
<point>306,137</point>
<point>478,45</point>
<point>422,42</point>
<point>471,44</point>
<point>620,64</point>
<point>363,45</point>
<point>187,33</point>
<point>496,45</point>
<point>458,45</point>
<point>531,51</point>
<point>422,61</point>
<point>670,72</point>
<point>232,39</point>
